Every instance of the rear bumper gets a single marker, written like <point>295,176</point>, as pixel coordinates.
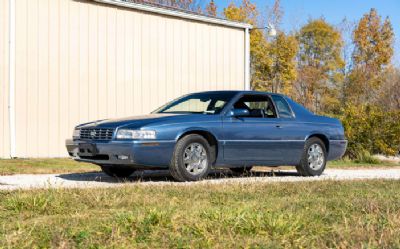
<point>130,153</point>
<point>337,148</point>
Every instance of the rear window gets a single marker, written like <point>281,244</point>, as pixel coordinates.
<point>282,107</point>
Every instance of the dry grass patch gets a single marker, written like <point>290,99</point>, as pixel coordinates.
<point>44,166</point>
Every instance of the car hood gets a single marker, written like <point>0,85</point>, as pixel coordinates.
<point>135,121</point>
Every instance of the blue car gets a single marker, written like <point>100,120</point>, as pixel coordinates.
<point>200,131</point>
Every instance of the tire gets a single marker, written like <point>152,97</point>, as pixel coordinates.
<point>241,170</point>
<point>117,171</point>
<point>191,159</point>
<point>315,150</point>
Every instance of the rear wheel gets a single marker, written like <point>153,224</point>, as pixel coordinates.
<point>117,171</point>
<point>191,159</point>
<point>313,160</point>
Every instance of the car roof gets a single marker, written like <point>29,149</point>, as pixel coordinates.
<point>240,91</point>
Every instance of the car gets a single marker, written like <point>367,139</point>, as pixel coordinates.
<point>215,129</point>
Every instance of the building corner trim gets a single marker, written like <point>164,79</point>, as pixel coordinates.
<point>11,75</point>
<point>247,77</point>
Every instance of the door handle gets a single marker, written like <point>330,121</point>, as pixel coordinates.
<point>279,126</point>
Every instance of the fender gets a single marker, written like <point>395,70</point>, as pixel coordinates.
<point>316,132</point>
<point>193,129</point>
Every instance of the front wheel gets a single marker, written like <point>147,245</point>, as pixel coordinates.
<point>191,159</point>
<point>117,171</point>
<point>313,160</point>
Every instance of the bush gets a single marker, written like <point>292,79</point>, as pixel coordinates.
<point>371,129</point>
<point>365,157</point>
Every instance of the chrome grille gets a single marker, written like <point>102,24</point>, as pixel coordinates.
<point>96,134</point>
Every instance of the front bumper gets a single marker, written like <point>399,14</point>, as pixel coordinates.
<point>149,153</point>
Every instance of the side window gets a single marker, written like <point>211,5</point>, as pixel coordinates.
<point>259,106</point>
<point>282,107</point>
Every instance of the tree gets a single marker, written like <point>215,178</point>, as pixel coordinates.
<point>373,51</point>
<point>260,61</point>
<point>373,42</point>
<point>319,66</point>
<point>282,71</point>
<point>282,50</point>
<point>211,9</point>
<point>346,28</point>
<point>388,95</point>
<point>275,14</point>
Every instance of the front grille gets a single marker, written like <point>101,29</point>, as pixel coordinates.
<point>96,134</point>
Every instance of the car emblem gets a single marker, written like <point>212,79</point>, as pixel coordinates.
<point>93,134</point>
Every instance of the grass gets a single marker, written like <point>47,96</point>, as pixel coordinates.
<point>59,166</point>
<point>359,214</point>
<point>43,166</point>
<point>347,163</point>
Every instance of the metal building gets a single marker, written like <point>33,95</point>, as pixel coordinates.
<point>65,62</point>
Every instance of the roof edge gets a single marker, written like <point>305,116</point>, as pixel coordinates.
<point>176,13</point>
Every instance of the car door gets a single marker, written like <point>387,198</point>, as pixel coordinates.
<point>292,132</point>
<point>254,138</point>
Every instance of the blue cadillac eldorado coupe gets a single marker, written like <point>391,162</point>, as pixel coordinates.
<point>192,134</point>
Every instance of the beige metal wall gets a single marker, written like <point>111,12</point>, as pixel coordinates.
<point>79,61</point>
<point>4,68</point>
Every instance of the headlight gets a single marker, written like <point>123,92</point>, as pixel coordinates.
<point>135,134</point>
<point>76,134</point>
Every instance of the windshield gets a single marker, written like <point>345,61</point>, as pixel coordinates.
<point>198,103</point>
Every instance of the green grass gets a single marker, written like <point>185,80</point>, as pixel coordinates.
<point>43,166</point>
<point>358,214</point>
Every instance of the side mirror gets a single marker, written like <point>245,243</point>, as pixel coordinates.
<point>239,113</point>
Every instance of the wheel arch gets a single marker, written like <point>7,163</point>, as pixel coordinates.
<point>324,138</point>
<point>208,135</point>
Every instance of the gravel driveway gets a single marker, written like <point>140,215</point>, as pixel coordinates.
<point>92,180</point>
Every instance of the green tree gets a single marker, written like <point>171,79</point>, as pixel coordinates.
<point>320,64</point>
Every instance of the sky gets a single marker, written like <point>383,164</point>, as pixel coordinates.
<point>297,12</point>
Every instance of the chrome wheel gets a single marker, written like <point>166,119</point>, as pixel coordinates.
<point>316,157</point>
<point>195,159</point>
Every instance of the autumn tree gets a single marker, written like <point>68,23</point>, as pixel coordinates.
<point>282,68</point>
<point>282,51</point>
<point>319,66</point>
<point>260,61</point>
<point>373,51</point>
<point>211,9</point>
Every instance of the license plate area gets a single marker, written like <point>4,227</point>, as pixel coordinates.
<point>86,149</point>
